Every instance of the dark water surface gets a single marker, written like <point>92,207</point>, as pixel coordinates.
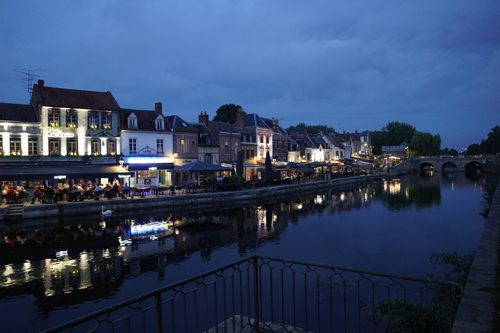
<point>393,226</point>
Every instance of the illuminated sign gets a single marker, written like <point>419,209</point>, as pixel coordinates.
<point>146,160</point>
<point>57,133</point>
<point>152,168</point>
<point>60,177</point>
<point>123,176</point>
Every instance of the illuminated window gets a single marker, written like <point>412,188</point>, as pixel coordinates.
<point>54,118</point>
<point>71,119</point>
<point>15,145</point>
<point>93,121</point>
<point>183,147</point>
<point>72,146</point>
<point>95,146</point>
<point>111,147</point>
<point>159,146</point>
<point>54,146</point>
<point>132,146</point>
<point>1,145</point>
<point>32,146</point>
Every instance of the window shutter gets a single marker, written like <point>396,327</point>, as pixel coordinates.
<point>178,145</point>
<point>187,146</point>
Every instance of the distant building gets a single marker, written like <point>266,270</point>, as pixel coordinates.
<point>19,130</point>
<point>398,151</point>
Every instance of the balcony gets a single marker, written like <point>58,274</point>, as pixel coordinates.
<point>272,295</point>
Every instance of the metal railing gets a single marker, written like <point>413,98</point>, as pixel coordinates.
<point>268,294</point>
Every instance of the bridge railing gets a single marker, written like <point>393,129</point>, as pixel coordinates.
<point>271,294</point>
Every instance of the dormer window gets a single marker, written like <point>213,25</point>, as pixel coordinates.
<point>159,124</point>
<point>132,122</point>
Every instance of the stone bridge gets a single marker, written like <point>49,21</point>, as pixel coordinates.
<point>439,164</point>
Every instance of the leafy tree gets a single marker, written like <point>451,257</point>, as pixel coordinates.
<point>425,144</point>
<point>453,152</point>
<point>227,113</point>
<point>490,146</point>
<point>474,149</point>
<point>393,134</point>
<point>313,129</point>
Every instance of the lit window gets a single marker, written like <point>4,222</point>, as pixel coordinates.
<point>159,146</point>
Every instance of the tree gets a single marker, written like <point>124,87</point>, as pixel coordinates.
<point>227,113</point>
<point>491,145</point>
<point>313,129</point>
<point>393,134</point>
<point>425,144</point>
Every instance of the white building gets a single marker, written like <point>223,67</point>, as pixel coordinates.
<point>147,146</point>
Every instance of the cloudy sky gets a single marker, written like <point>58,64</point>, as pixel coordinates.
<point>346,64</point>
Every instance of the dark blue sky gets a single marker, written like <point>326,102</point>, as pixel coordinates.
<point>350,65</point>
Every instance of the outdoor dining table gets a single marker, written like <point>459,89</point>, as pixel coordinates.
<point>141,190</point>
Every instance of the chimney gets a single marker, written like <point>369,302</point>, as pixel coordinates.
<point>203,118</point>
<point>41,84</point>
<point>240,118</point>
<point>356,131</point>
<point>158,108</point>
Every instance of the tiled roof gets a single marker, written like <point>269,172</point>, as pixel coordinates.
<point>224,127</point>
<point>178,123</point>
<point>17,112</point>
<point>70,98</point>
<point>253,120</point>
<point>204,133</point>
<point>146,120</point>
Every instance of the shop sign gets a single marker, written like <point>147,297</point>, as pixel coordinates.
<point>147,151</point>
<point>57,133</point>
<point>152,168</point>
<point>123,176</point>
<point>60,177</point>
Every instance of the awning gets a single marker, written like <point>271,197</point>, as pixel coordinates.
<point>39,172</point>
<point>200,166</point>
<point>158,166</point>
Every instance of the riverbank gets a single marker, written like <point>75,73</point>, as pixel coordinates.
<point>191,201</point>
<point>475,313</point>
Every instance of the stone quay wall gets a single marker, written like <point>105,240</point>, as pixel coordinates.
<point>475,313</point>
<point>191,201</point>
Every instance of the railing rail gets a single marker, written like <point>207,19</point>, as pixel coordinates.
<point>272,294</point>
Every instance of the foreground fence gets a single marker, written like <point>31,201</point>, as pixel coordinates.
<point>270,294</point>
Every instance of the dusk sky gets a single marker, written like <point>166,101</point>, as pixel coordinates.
<point>350,65</point>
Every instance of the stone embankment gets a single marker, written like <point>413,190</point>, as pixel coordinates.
<point>476,307</point>
<point>188,201</point>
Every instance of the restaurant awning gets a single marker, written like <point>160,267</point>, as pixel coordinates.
<point>39,172</point>
<point>152,166</point>
<point>200,166</point>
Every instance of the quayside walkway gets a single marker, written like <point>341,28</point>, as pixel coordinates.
<point>177,198</point>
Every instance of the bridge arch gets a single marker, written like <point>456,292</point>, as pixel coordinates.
<point>449,166</point>
<point>473,166</point>
<point>426,166</point>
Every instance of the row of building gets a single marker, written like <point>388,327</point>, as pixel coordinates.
<point>67,127</point>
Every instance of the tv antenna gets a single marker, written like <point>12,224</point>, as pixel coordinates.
<point>30,78</point>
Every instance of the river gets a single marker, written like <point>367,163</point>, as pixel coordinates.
<point>49,275</point>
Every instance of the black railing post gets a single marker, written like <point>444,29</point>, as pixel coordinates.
<point>448,307</point>
<point>256,291</point>
<point>159,314</point>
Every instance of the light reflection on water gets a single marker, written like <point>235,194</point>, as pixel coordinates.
<point>390,226</point>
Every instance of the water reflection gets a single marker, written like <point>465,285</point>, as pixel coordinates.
<point>103,255</point>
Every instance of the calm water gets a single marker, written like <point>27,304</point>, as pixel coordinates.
<point>392,226</point>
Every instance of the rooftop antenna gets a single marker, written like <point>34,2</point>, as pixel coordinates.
<point>30,77</point>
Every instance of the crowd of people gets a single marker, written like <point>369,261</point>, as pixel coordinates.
<point>77,192</point>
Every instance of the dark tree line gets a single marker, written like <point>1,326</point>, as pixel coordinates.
<point>489,146</point>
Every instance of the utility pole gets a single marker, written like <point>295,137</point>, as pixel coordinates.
<point>30,77</point>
